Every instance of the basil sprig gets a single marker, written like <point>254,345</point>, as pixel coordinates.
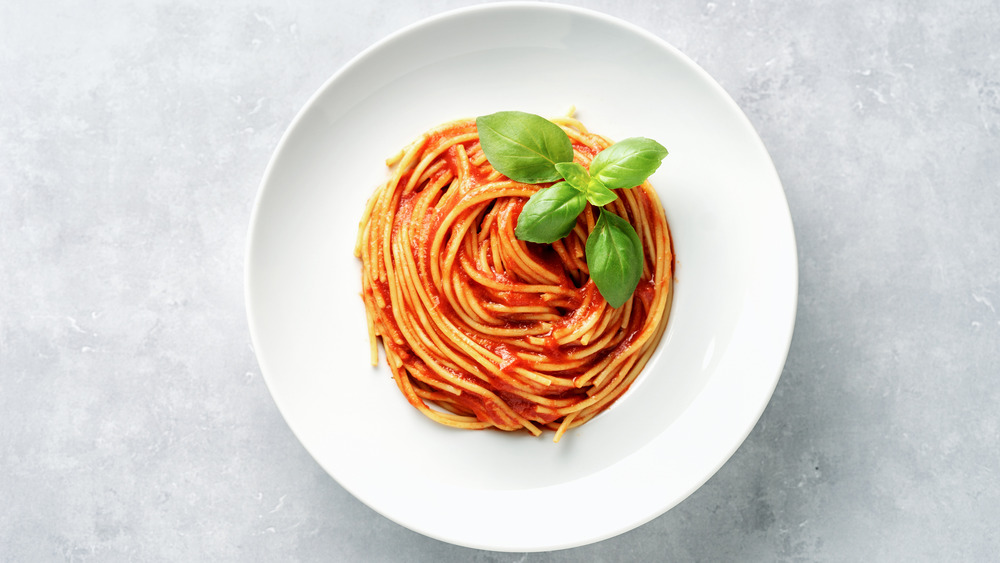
<point>531,149</point>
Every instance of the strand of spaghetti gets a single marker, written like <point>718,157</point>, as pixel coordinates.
<point>472,388</point>
<point>429,158</point>
<point>449,419</point>
<point>484,194</point>
<point>563,426</point>
<point>484,279</point>
<point>497,329</point>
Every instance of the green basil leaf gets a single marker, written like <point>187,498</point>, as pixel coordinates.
<point>614,257</point>
<point>550,214</point>
<point>578,177</point>
<point>523,146</point>
<point>599,194</point>
<point>575,174</point>
<point>627,163</point>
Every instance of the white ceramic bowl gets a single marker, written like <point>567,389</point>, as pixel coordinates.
<point>698,398</point>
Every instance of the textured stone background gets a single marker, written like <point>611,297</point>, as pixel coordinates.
<point>135,426</point>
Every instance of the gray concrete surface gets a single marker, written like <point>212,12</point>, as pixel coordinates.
<point>134,423</point>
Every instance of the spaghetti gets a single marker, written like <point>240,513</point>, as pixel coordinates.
<point>483,330</point>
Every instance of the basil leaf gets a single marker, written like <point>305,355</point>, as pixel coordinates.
<point>614,256</point>
<point>578,177</point>
<point>599,194</point>
<point>627,163</point>
<point>523,146</point>
<point>575,174</point>
<point>550,214</point>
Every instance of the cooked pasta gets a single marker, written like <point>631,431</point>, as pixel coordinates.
<point>482,330</point>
